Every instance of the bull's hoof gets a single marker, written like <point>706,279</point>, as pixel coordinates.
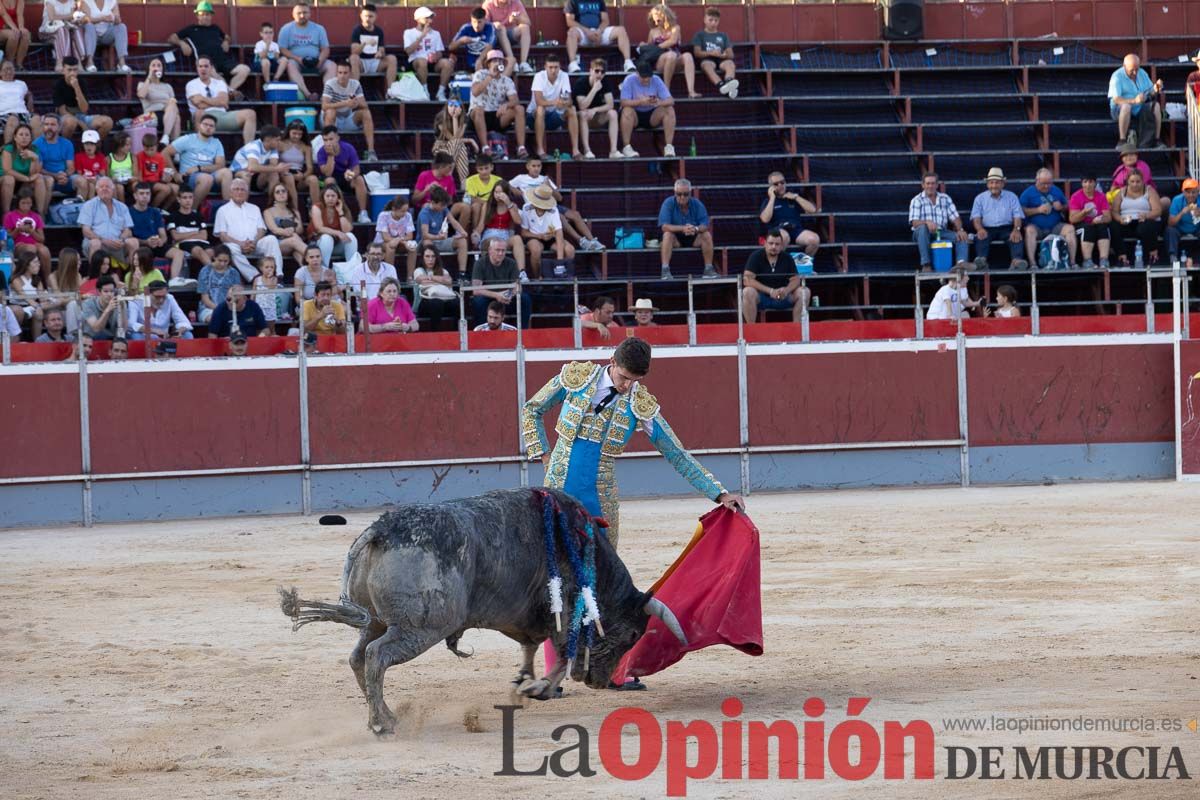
<point>539,690</point>
<point>522,677</point>
<point>382,731</point>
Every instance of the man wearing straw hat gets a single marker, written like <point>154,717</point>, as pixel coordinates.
<point>996,214</point>
<point>643,313</point>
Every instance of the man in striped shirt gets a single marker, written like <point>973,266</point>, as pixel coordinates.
<point>932,215</point>
<point>258,162</point>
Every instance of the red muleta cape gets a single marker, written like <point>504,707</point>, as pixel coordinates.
<point>715,592</point>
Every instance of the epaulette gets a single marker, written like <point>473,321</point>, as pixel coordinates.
<point>643,404</point>
<point>576,374</point>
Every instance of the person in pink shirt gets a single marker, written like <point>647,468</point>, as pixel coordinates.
<point>388,312</point>
<point>441,173</point>
<point>26,228</point>
<point>1130,162</point>
<point>512,25</point>
<point>1089,207</point>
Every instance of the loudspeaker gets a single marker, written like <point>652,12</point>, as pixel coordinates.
<point>903,19</point>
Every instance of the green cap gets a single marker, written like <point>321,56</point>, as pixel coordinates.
<point>204,7</point>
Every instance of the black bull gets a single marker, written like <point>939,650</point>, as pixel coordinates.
<point>426,573</point>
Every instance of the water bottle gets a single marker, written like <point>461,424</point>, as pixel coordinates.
<point>1138,260</point>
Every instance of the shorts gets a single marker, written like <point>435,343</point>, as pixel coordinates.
<point>87,120</point>
<point>606,34</point>
<point>64,186</point>
<point>442,245</point>
<point>160,251</point>
<point>222,62</point>
<point>340,179</point>
<point>188,245</point>
<point>274,62</point>
<point>21,117</point>
<point>682,240</point>
<point>369,65</point>
<point>768,303</point>
<point>191,179</point>
<point>643,120</point>
<point>345,123</point>
<point>311,66</point>
<point>1044,232</point>
<point>555,120</point>
<point>491,121</point>
<point>1115,111</point>
<point>226,119</point>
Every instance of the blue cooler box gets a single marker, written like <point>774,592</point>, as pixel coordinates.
<point>306,115</point>
<point>461,86</point>
<point>943,255</point>
<point>379,200</point>
<point>281,93</point>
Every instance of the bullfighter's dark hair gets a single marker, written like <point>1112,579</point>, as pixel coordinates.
<point>633,355</point>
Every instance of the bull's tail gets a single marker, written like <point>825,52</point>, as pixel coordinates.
<point>303,612</point>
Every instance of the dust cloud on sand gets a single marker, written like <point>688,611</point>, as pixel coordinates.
<point>152,661</point>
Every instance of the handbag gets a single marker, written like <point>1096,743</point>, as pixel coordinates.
<point>629,239</point>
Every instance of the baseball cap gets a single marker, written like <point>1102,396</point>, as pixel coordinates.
<point>238,338</point>
<point>204,7</point>
<point>91,136</point>
<point>1191,183</point>
<point>423,13</point>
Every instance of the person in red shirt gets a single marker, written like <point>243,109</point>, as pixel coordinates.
<point>90,164</point>
<point>151,166</point>
<point>441,173</point>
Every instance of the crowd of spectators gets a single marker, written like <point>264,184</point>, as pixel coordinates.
<point>162,210</point>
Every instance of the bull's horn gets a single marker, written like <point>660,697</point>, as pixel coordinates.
<point>657,608</point>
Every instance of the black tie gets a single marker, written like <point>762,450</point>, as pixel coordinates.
<point>608,398</point>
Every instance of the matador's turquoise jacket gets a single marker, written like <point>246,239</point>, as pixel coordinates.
<point>582,461</point>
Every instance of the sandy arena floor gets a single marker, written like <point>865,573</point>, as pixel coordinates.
<point>152,661</point>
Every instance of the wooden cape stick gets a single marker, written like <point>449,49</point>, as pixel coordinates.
<point>696,537</point>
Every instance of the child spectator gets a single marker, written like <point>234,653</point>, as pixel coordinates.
<point>142,271</point>
<point>478,188</point>
<point>90,164</point>
<point>266,55</point>
<point>439,175</point>
<point>26,283</point>
<point>395,231</point>
<point>188,232</point>
<point>712,51</point>
<point>120,164</point>
<point>274,306</point>
<point>1006,303</point>
<point>150,166</point>
<point>436,225</point>
<point>25,227</point>
<point>575,227</point>
<point>438,299</point>
<point>215,281</point>
<point>541,226</point>
<point>952,299</point>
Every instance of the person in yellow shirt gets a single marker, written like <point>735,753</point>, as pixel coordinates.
<point>478,188</point>
<point>322,314</point>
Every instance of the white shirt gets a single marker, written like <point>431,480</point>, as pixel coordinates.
<point>601,391</point>
<point>12,97</point>
<point>523,183</point>
<point>533,223</point>
<point>431,43</point>
<point>550,91</point>
<point>264,51</point>
<point>106,7</point>
<point>166,316</point>
<point>947,303</point>
<point>243,223</point>
<point>373,279</point>
<point>504,326</point>
<point>214,87</point>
